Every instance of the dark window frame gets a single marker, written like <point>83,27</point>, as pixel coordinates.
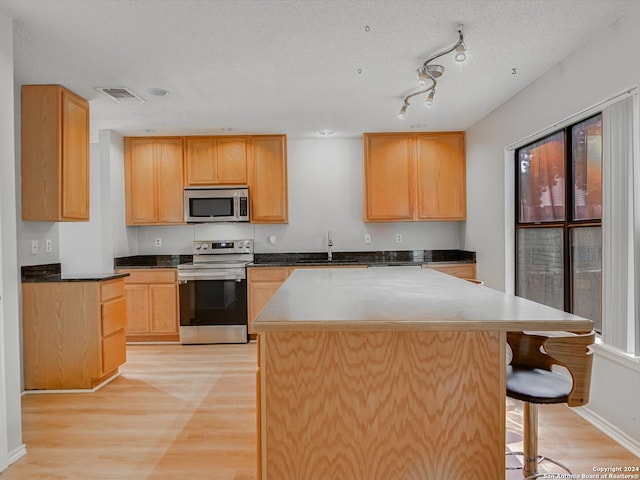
<point>568,223</point>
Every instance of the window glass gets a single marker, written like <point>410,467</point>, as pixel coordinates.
<point>541,180</point>
<point>586,273</point>
<point>587,169</point>
<point>540,265</point>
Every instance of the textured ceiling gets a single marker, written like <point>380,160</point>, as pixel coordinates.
<point>294,66</point>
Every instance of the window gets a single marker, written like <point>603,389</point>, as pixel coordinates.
<point>559,220</point>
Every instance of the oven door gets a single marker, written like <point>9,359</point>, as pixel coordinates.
<point>213,311</point>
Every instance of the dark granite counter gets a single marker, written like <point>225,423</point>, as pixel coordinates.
<point>52,273</point>
<point>372,259</point>
<point>151,261</point>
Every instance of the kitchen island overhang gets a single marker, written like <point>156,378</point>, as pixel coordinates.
<point>394,372</point>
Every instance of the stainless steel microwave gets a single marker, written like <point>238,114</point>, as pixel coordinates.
<point>216,204</point>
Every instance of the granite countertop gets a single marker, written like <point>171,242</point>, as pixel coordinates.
<point>151,261</point>
<point>52,273</point>
<point>372,258</point>
<point>402,298</point>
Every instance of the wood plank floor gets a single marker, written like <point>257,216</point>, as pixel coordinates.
<point>188,412</point>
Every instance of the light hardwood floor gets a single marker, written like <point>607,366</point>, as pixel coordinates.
<point>188,412</point>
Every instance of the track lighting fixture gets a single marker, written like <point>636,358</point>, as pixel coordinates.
<point>429,73</point>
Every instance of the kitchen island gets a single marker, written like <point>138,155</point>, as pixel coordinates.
<point>387,373</point>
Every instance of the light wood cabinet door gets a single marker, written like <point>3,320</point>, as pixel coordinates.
<point>54,154</point>
<point>163,299</point>
<point>388,177</point>
<point>216,160</point>
<point>140,185</point>
<point>170,181</point>
<point>267,179</point>
<point>154,180</point>
<point>440,159</point>
<point>138,310</point>
<point>75,157</point>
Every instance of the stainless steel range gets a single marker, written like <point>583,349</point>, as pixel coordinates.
<point>213,292</point>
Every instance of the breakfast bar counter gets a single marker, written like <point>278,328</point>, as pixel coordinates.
<point>387,373</point>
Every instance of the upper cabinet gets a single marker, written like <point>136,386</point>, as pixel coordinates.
<point>216,161</point>
<point>154,181</point>
<point>267,179</point>
<point>414,177</point>
<point>55,154</point>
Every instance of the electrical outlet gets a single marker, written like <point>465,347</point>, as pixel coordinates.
<point>367,239</point>
<point>48,246</point>
<point>34,247</point>
<point>398,238</point>
<point>158,242</point>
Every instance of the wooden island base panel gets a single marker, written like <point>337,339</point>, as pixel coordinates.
<point>368,405</point>
<point>387,373</point>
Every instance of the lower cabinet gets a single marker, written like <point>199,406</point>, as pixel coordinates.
<point>152,305</point>
<point>461,270</point>
<point>264,282</point>
<point>73,333</point>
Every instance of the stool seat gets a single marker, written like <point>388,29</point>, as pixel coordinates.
<point>538,386</point>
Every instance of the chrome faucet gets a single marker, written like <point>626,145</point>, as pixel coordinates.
<point>329,245</point>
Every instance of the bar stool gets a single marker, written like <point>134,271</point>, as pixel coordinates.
<point>531,379</point>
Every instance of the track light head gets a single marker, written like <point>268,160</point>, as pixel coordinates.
<point>429,99</point>
<point>422,76</point>
<point>461,53</point>
<point>403,111</point>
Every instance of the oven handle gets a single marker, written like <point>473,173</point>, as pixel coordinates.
<point>195,276</point>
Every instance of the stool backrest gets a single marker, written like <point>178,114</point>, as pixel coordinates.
<point>569,350</point>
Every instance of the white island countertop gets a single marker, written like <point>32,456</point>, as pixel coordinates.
<point>402,298</point>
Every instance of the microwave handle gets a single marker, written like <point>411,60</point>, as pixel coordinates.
<point>236,207</point>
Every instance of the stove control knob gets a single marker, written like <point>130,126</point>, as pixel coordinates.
<point>198,246</point>
<point>205,246</point>
<point>247,244</point>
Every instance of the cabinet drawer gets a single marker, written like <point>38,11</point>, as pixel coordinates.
<point>268,274</point>
<point>114,316</point>
<point>114,351</point>
<point>462,270</point>
<point>151,276</point>
<point>112,289</point>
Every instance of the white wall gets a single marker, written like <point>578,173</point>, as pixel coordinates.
<point>11,447</point>
<point>592,74</point>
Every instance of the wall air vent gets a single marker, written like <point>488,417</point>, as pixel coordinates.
<point>120,94</point>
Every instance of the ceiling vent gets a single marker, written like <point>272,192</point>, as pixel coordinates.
<point>121,95</point>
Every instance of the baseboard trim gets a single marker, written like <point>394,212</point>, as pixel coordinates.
<point>79,390</point>
<point>609,429</point>
<point>17,454</point>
